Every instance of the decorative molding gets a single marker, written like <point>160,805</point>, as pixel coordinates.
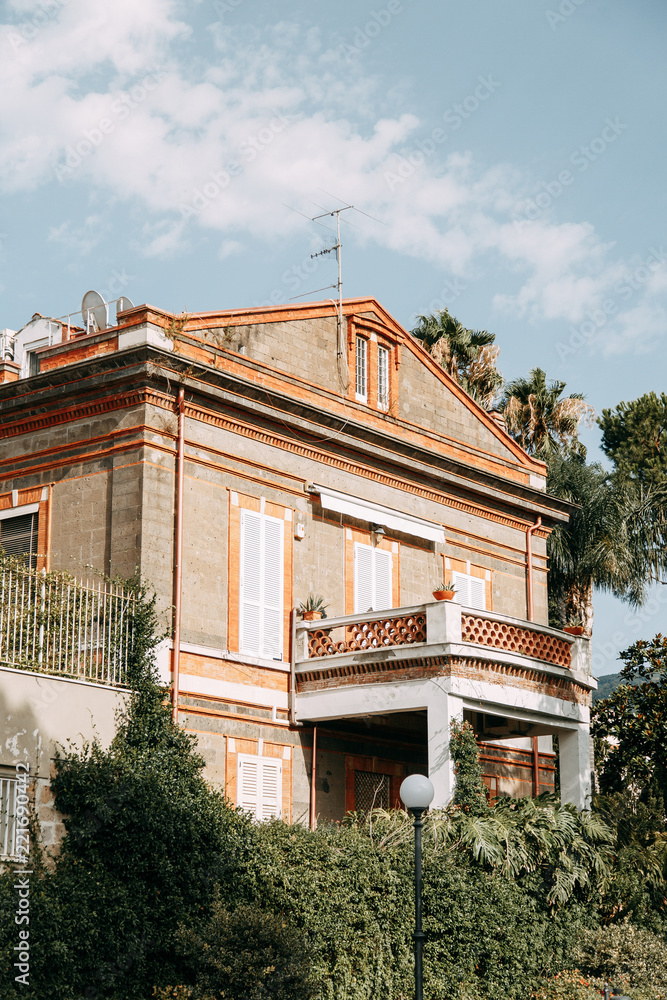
<point>160,399</point>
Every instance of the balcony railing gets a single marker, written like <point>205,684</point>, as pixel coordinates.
<point>430,624</point>
<point>52,624</point>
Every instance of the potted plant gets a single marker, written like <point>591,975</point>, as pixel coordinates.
<point>313,609</point>
<point>573,626</point>
<point>444,591</point>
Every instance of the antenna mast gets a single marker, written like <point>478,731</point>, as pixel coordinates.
<point>338,247</point>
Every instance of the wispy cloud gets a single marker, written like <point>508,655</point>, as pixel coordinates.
<point>106,96</point>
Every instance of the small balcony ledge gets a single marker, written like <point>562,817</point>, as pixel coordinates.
<point>401,638</point>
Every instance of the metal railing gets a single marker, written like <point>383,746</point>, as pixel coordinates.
<point>52,624</point>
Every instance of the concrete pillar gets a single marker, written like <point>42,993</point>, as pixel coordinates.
<point>443,622</point>
<point>574,754</point>
<point>442,708</point>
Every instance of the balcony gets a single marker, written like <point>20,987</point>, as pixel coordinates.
<point>403,639</point>
<point>447,660</point>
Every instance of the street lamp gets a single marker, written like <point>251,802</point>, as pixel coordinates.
<point>417,794</point>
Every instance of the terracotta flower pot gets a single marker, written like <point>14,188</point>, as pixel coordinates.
<point>312,616</point>
<point>574,629</point>
<point>443,595</point>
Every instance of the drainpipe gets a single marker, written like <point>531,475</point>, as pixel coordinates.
<point>178,562</point>
<point>313,776</point>
<point>529,566</point>
<point>292,668</point>
<point>536,767</point>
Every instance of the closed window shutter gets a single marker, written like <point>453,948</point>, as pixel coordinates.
<point>251,582</point>
<point>372,579</point>
<point>248,784</point>
<point>273,580</point>
<point>383,588</point>
<point>272,779</point>
<point>470,591</point>
<point>261,585</point>
<point>477,593</point>
<point>363,578</point>
<point>259,786</point>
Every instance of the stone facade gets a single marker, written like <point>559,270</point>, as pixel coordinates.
<point>273,419</point>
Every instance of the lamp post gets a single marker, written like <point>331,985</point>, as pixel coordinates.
<point>417,794</point>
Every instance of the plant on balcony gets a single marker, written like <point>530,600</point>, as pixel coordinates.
<point>574,626</point>
<point>444,591</point>
<point>313,608</point>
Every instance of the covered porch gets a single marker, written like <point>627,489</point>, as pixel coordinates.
<point>512,678</point>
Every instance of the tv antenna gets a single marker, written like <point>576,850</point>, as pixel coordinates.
<point>338,249</point>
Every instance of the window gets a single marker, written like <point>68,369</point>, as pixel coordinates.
<point>259,786</point>
<point>33,362</point>
<point>361,369</point>
<point>371,791</point>
<point>372,579</point>
<point>383,378</point>
<point>261,585</point>
<point>8,793</point>
<point>470,590</point>
<point>18,533</point>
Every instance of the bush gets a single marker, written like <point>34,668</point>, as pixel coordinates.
<point>623,951</point>
<point>246,954</point>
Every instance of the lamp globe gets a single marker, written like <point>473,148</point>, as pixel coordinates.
<point>417,792</point>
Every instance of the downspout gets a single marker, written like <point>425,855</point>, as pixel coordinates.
<point>529,566</point>
<point>48,529</point>
<point>313,776</point>
<point>178,561</point>
<point>536,767</point>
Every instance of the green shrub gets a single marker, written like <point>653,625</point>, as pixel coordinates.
<point>625,951</point>
<point>246,954</point>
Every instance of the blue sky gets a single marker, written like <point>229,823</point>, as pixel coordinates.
<point>512,152</point>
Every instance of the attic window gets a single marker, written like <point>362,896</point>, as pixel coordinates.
<point>383,378</point>
<point>361,370</point>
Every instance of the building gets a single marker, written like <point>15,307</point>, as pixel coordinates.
<point>245,461</point>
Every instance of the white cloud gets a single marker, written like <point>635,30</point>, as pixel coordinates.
<point>105,96</point>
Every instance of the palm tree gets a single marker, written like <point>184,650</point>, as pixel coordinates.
<point>543,423</point>
<point>615,539</point>
<point>468,356</point>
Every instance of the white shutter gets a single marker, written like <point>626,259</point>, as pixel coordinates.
<point>273,582</point>
<point>470,591</point>
<point>250,602</point>
<point>363,578</point>
<point>261,585</point>
<point>477,593</point>
<point>259,786</point>
<point>383,589</point>
<point>272,780</point>
<point>372,579</point>
<point>248,784</point>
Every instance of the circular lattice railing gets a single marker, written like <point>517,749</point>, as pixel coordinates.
<point>515,639</point>
<point>371,634</point>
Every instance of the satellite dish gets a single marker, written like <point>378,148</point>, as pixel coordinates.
<point>122,304</point>
<point>94,310</point>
